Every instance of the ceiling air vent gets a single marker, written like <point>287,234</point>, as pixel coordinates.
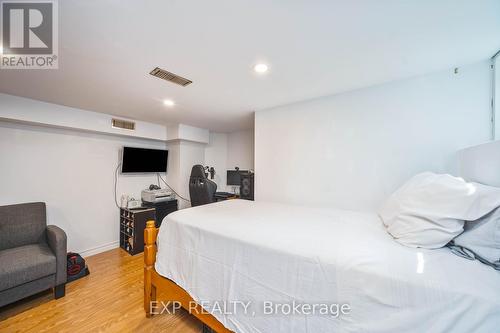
<point>124,124</point>
<point>171,77</point>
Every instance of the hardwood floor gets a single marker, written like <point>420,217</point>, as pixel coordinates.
<point>110,299</point>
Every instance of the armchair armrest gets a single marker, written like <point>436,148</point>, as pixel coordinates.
<point>56,238</point>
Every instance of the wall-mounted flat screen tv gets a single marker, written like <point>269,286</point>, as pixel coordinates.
<point>141,160</point>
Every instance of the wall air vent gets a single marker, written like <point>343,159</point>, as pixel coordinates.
<point>124,124</point>
<point>171,77</point>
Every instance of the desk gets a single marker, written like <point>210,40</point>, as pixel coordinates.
<point>221,196</point>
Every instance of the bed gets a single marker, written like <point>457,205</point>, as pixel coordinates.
<point>270,254</point>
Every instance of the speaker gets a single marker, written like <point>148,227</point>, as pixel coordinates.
<point>246,185</point>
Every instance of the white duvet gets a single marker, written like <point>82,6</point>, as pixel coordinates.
<point>254,252</point>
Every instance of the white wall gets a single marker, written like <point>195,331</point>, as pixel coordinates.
<point>224,151</point>
<point>354,149</point>
<point>67,157</point>
<point>216,156</point>
<point>73,172</point>
<point>481,163</point>
<point>228,150</point>
<point>14,108</point>
<point>496,95</point>
<point>240,150</point>
<point>187,133</point>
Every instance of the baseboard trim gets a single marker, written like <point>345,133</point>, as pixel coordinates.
<point>100,249</point>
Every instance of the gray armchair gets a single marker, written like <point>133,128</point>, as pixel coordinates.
<point>32,254</point>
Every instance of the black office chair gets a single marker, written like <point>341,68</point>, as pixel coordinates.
<point>201,189</point>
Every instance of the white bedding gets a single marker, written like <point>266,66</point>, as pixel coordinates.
<point>240,250</point>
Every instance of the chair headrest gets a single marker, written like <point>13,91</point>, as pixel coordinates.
<point>198,171</point>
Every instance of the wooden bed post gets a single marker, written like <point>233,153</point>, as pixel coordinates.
<point>150,234</point>
<point>167,288</point>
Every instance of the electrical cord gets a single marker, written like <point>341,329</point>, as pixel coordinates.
<point>116,181</point>
<point>180,196</point>
<point>158,179</point>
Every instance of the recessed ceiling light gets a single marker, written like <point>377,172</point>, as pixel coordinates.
<point>261,68</point>
<point>168,102</point>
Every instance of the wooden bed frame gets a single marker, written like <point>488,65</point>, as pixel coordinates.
<point>155,284</point>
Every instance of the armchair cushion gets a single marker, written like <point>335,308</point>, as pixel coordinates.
<point>25,263</point>
<point>22,224</point>
<point>56,238</point>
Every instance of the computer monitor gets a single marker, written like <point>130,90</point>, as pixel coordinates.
<point>233,177</point>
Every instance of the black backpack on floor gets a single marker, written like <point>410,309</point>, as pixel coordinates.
<point>76,267</point>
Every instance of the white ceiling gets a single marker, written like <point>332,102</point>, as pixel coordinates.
<point>313,48</point>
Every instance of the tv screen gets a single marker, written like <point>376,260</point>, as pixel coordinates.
<point>141,160</point>
<point>233,177</point>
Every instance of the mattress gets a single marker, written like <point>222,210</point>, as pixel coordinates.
<point>271,257</point>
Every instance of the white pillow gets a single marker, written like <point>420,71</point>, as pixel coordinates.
<point>483,236</point>
<point>429,210</point>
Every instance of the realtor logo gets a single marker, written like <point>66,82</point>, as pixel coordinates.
<point>29,35</point>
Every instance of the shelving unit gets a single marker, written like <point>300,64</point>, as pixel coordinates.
<point>132,225</point>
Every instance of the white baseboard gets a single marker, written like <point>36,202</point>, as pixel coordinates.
<point>99,249</point>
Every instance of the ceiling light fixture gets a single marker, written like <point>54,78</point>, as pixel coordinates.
<point>261,68</point>
<point>168,102</point>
